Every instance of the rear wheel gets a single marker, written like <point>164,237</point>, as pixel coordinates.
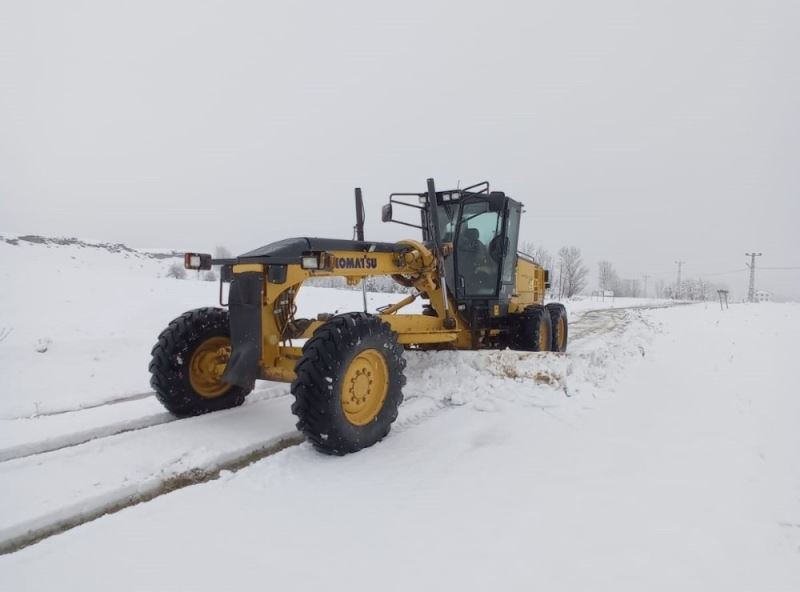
<point>534,330</point>
<point>349,384</point>
<point>188,362</point>
<point>558,320</point>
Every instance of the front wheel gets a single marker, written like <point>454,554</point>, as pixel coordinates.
<point>188,361</point>
<point>349,383</point>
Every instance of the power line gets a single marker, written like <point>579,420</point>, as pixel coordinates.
<point>699,274</point>
<point>740,270</point>
<point>716,273</point>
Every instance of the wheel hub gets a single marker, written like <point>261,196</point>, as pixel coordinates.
<point>207,366</point>
<point>364,387</point>
<point>360,387</point>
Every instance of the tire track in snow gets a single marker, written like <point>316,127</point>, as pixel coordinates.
<point>86,510</point>
<point>87,406</point>
<point>418,409</point>
<point>137,493</point>
<point>592,323</point>
<point>107,430</point>
<point>54,443</point>
<point>587,324</point>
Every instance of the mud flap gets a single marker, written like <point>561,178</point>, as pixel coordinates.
<point>244,302</point>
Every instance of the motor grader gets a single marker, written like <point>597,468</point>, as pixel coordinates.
<point>479,292</point>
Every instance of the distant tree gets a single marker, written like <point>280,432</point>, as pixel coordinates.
<point>210,276</point>
<point>384,283</point>
<point>541,255</point>
<point>628,288</point>
<point>177,271</point>
<point>573,271</point>
<point>692,289</point>
<point>543,258</point>
<point>607,276</point>
<point>698,289</point>
<point>374,284</point>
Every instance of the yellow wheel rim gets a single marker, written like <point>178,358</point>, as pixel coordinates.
<point>207,365</point>
<point>364,387</point>
<point>561,330</point>
<point>544,336</point>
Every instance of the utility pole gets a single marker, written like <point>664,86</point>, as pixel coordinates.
<point>645,284</point>
<point>679,263</point>
<point>751,291</point>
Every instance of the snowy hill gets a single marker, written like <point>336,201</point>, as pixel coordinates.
<point>113,248</point>
<point>75,314</point>
<point>660,453</point>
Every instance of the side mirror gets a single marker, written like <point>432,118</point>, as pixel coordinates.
<point>497,201</point>
<point>386,213</point>
<point>498,248</point>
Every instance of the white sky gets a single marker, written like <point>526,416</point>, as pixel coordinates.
<point>642,132</point>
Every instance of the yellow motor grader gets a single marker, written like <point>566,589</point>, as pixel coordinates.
<point>347,378</point>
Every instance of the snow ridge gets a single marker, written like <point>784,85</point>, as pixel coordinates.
<point>35,239</point>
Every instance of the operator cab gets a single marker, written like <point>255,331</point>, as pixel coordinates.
<point>483,228</point>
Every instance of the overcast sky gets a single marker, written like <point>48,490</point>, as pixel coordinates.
<point>642,132</point>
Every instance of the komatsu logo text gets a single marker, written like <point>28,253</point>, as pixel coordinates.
<point>356,263</point>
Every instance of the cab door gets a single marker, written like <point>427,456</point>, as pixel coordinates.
<point>510,245</point>
<point>478,251</point>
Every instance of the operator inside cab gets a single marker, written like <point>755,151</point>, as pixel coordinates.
<point>477,265</point>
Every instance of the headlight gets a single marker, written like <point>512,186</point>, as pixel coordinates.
<point>197,261</point>
<point>309,262</point>
<point>320,260</point>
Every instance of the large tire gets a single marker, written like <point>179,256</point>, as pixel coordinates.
<point>175,373</point>
<point>558,320</point>
<point>349,383</point>
<point>534,329</point>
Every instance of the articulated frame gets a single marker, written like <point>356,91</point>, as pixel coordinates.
<point>414,265</point>
<point>417,264</point>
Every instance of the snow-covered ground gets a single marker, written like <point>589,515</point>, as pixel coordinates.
<point>97,314</point>
<point>660,453</point>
